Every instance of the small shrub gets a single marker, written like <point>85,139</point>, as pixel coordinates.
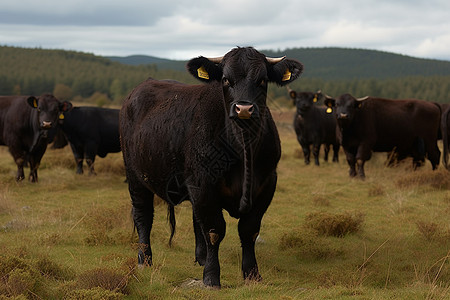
<point>307,244</point>
<point>439,179</point>
<point>337,225</point>
<point>51,269</point>
<point>104,278</point>
<point>97,293</point>
<point>20,282</point>
<point>376,190</point>
<point>432,231</point>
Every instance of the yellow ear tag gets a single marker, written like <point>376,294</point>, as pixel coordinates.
<point>61,116</point>
<point>329,110</point>
<point>315,98</point>
<point>287,75</point>
<point>202,73</point>
<point>35,103</point>
<point>359,105</point>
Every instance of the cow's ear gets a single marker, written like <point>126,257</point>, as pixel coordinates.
<point>285,71</point>
<point>329,101</point>
<point>204,69</point>
<point>65,106</point>
<point>33,101</point>
<point>318,95</point>
<point>293,94</point>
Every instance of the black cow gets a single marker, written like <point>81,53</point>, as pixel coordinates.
<point>214,144</point>
<point>25,122</point>
<point>91,131</point>
<point>381,125</point>
<point>445,127</point>
<point>314,126</point>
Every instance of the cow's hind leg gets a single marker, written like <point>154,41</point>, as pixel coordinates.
<point>142,201</point>
<point>200,244</point>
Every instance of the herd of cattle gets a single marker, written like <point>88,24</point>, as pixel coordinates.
<point>216,144</point>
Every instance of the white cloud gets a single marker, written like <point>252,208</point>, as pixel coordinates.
<point>180,29</point>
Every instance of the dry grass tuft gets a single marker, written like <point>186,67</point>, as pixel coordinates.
<point>376,190</point>
<point>307,244</point>
<point>432,231</point>
<point>439,179</point>
<point>104,278</point>
<point>321,200</point>
<point>337,225</point>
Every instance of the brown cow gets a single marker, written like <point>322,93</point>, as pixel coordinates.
<point>380,125</point>
<point>24,126</point>
<point>214,144</point>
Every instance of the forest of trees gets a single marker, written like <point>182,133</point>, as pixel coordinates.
<point>83,77</point>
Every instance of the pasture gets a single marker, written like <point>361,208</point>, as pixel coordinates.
<point>325,236</point>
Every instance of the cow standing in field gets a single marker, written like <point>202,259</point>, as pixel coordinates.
<point>380,125</point>
<point>314,126</point>
<point>214,144</point>
<point>91,131</point>
<point>445,127</point>
<point>24,127</point>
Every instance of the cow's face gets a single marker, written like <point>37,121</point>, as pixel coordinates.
<point>48,109</point>
<point>304,100</point>
<point>346,108</point>
<point>244,74</point>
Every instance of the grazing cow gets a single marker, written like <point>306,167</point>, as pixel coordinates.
<point>314,126</point>
<point>445,127</point>
<point>214,144</point>
<point>91,131</point>
<point>24,127</point>
<point>380,125</point>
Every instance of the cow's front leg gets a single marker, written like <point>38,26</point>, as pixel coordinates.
<point>212,224</point>
<point>20,174</point>
<point>248,232</point>
<point>351,160</point>
<point>306,154</point>
<point>316,150</point>
<point>326,150</point>
<point>200,244</point>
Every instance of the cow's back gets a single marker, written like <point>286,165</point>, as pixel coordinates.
<point>15,116</point>
<point>384,124</point>
<point>163,125</point>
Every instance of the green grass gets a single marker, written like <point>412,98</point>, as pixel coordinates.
<point>325,236</point>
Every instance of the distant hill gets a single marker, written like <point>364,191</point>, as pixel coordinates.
<point>136,60</point>
<point>332,63</point>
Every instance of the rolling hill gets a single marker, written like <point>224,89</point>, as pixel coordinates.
<point>332,63</point>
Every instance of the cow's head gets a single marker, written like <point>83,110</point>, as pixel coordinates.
<point>304,100</point>
<point>49,109</point>
<point>345,106</point>
<point>244,74</point>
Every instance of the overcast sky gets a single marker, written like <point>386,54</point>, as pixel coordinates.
<point>182,29</point>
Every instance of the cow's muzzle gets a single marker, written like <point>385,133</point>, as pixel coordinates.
<point>243,111</point>
<point>343,116</point>
<point>46,125</point>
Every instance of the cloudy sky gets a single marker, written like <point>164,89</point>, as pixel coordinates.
<point>182,29</point>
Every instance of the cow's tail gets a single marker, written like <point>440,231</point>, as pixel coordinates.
<point>172,221</point>
<point>444,132</point>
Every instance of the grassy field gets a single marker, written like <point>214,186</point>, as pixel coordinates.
<point>325,236</point>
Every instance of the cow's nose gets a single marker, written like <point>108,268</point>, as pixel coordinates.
<point>244,111</point>
<point>46,125</point>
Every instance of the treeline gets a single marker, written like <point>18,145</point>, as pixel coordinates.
<point>73,75</point>
<point>84,77</point>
